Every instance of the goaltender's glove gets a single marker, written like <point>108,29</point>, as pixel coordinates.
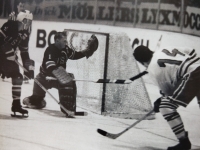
<point>30,67</point>
<point>157,105</point>
<point>92,46</point>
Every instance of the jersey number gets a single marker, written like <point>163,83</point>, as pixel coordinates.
<point>161,62</point>
<point>173,53</point>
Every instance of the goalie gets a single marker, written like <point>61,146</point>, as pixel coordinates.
<point>54,65</point>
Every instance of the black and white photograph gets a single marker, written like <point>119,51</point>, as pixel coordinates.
<point>99,74</point>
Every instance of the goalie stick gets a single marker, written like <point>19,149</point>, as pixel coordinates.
<point>114,136</point>
<point>70,113</point>
<point>80,113</point>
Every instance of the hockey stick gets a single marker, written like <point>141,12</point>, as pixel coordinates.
<point>115,81</point>
<point>158,43</point>
<point>70,113</point>
<point>114,136</point>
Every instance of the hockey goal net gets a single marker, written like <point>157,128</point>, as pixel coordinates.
<point>112,60</point>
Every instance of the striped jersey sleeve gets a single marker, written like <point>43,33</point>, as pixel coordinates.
<point>190,63</point>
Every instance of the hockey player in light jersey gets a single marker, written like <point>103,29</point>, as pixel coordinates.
<point>14,34</point>
<point>54,62</point>
<point>176,71</point>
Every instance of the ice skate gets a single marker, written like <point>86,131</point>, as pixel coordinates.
<point>19,109</point>
<point>184,144</point>
<point>34,102</point>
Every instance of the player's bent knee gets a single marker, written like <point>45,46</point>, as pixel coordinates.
<point>17,79</point>
<point>167,106</point>
<point>168,109</point>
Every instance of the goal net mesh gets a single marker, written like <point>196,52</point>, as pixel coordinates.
<point>112,60</point>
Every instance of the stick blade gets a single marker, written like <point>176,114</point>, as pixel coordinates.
<point>81,113</point>
<point>102,132</point>
<point>106,134</point>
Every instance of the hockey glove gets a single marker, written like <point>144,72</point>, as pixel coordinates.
<point>157,105</point>
<point>62,76</point>
<point>8,51</point>
<point>30,67</point>
<point>92,46</point>
<point>23,35</point>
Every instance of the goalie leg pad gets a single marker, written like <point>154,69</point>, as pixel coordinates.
<point>67,95</point>
<point>62,76</point>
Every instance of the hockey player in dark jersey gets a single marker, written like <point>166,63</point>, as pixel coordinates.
<point>18,7</point>
<point>54,65</point>
<point>13,35</point>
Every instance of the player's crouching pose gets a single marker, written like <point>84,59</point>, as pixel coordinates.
<point>14,34</point>
<point>54,65</point>
<point>177,73</point>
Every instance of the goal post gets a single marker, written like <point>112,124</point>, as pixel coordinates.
<point>112,60</point>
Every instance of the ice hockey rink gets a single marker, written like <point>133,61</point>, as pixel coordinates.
<point>49,129</point>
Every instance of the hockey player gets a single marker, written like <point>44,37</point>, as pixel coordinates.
<point>18,7</point>
<point>54,65</point>
<point>14,34</point>
<point>177,73</point>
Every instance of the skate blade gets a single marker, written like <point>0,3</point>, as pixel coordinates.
<point>32,107</point>
<point>67,116</point>
<point>19,116</point>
